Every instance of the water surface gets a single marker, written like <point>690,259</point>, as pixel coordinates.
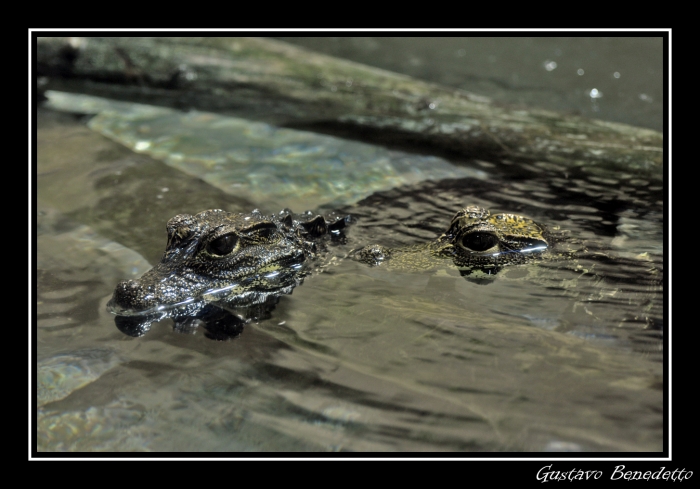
<point>563,355</point>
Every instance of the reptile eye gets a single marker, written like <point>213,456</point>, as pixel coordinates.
<point>223,245</point>
<point>479,241</point>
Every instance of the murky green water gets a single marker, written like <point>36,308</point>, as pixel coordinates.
<point>616,78</point>
<point>564,355</point>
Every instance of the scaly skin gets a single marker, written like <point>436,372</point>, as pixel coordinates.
<point>242,263</point>
<point>477,242</point>
<point>232,260</point>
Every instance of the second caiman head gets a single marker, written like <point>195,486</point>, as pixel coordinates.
<point>478,243</point>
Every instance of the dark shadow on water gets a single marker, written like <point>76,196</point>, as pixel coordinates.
<point>218,324</point>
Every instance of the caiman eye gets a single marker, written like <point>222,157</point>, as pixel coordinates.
<point>479,241</point>
<point>223,245</point>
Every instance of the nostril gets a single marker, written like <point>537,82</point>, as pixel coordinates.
<point>129,295</point>
<point>128,286</point>
<point>123,291</point>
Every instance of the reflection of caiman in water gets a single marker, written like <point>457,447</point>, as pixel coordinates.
<point>221,270</point>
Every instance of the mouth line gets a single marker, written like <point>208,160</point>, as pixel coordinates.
<point>160,311</point>
<point>531,249</point>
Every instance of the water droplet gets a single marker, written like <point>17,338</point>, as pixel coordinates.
<point>550,65</point>
<point>616,74</point>
<point>594,93</point>
<point>580,72</point>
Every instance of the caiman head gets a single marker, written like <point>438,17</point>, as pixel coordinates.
<point>230,260</point>
<point>481,243</point>
<point>478,243</point>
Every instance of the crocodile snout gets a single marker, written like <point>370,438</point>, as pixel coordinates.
<point>131,296</point>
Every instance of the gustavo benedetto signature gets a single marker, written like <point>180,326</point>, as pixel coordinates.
<point>546,474</point>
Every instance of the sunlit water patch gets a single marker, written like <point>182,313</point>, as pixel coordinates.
<point>60,375</point>
<point>296,169</point>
